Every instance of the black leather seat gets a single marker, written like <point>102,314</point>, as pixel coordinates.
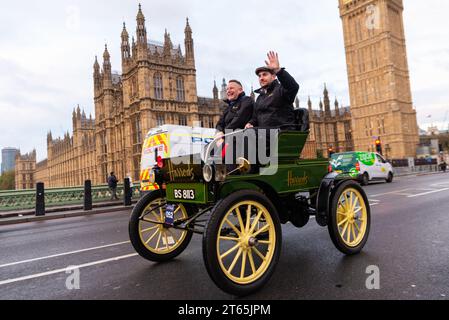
<point>302,120</point>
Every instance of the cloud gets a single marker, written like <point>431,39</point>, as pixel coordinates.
<point>26,108</point>
<point>49,48</point>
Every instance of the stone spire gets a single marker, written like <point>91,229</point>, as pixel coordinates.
<point>168,45</point>
<point>327,105</point>
<point>337,108</point>
<point>224,96</point>
<point>215,90</point>
<point>321,108</point>
<point>189,46</point>
<point>141,32</point>
<point>97,76</point>
<point>107,69</point>
<point>126,49</point>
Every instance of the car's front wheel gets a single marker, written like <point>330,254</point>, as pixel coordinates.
<point>350,218</point>
<point>242,242</point>
<point>390,177</point>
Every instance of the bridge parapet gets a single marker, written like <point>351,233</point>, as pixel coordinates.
<point>26,199</point>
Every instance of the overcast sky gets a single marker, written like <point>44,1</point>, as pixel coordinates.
<point>48,49</point>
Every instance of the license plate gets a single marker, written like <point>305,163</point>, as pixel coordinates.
<point>170,214</point>
<point>184,194</point>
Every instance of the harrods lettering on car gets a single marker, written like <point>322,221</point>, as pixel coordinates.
<point>182,173</point>
<point>297,181</point>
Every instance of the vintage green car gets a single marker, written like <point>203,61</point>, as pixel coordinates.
<point>240,211</point>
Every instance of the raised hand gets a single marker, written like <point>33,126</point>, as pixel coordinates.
<point>273,61</point>
<point>219,137</point>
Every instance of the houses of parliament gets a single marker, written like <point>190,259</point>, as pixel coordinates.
<point>158,86</point>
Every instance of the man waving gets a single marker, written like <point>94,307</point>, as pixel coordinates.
<point>274,106</point>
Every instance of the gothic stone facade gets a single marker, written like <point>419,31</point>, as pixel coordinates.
<point>157,86</point>
<point>330,129</point>
<point>71,160</point>
<point>379,82</point>
<point>25,170</point>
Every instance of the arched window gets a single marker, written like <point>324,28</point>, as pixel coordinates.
<point>180,95</point>
<point>182,120</point>
<point>158,86</point>
<point>136,130</point>
<point>160,120</point>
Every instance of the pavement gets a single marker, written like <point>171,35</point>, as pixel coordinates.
<point>409,244</point>
<point>24,216</point>
<point>62,215</point>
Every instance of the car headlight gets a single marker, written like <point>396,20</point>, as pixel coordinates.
<point>208,173</point>
<point>152,177</point>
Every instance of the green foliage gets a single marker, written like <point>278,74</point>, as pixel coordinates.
<point>7,181</point>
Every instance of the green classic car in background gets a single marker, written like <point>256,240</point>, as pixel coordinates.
<point>239,212</point>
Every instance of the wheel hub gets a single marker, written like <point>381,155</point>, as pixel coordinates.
<point>252,242</point>
<point>247,241</point>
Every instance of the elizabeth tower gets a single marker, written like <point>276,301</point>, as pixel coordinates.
<point>379,81</point>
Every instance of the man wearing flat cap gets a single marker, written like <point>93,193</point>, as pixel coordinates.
<point>274,106</point>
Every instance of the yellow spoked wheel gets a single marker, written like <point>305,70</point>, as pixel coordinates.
<point>154,235</point>
<point>350,218</point>
<point>242,242</point>
<point>247,239</point>
<point>151,239</point>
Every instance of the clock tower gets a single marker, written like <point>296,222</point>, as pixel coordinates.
<point>379,81</point>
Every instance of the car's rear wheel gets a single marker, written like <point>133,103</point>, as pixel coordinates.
<point>350,218</point>
<point>242,242</point>
<point>149,237</point>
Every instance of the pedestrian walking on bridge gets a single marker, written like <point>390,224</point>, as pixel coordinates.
<point>112,183</point>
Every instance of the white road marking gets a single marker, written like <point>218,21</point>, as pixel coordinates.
<point>410,192</point>
<point>440,185</point>
<point>44,274</point>
<point>391,192</point>
<point>426,193</point>
<point>64,254</point>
